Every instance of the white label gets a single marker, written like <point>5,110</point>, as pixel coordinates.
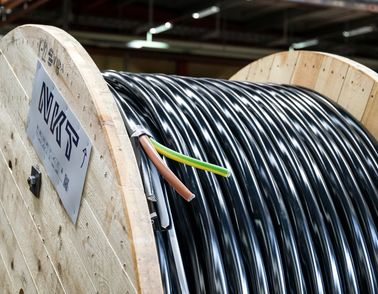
<point>60,142</point>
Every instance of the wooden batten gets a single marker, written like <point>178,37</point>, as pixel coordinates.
<point>350,84</point>
<point>111,249</point>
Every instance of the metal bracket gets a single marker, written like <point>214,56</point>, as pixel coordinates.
<point>34,181</point>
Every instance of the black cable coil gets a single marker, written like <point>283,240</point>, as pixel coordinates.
<point>299,213</point>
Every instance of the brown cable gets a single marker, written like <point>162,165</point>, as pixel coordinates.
<point>164,170</point>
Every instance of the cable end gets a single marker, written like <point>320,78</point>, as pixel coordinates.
<point>191,198</point>
<point>224,173</point>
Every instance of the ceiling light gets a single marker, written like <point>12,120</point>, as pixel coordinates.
<point>162,28</point>
<point>206,12</point>
<point>148,43</point>
<point>358,31</point>
<point>304,44</point>
<point>138,44</point>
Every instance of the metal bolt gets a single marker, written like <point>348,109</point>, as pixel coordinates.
<point>32,180</point>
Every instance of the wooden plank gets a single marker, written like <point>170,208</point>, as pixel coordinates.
<point>370,116</point>
<point>253,70</point>
<point>11,253</point>
<point>128,229</point>
<point>5,279</point>
<point>353,63</point>
<point>307,69</point>
<point>259,70</point>
<point>242,74</point>
<point>355,92</point>
<point>283,67</point>
<point>331,77</point>
<point>105,271</point>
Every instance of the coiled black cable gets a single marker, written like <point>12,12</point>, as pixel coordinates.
<point>299,213</point>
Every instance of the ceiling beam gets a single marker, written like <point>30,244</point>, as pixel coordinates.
<point>368,6</point>
<point>322,13</point>
<point>264,8</point>
<point>176,46</point>
<point>21,13</point>
<point>342,18</point>
<point>12,4</point>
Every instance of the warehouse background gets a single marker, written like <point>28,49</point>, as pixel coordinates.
<point>216,45</point>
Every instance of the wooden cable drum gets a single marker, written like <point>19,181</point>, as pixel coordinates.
<point>350,84</point>
<point>109,247</point>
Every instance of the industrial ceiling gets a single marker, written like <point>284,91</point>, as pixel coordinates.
<point>235,29</point>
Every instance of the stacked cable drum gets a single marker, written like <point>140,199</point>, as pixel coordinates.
<point>299,211</point>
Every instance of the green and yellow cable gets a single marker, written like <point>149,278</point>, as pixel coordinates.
<point>176,156</point>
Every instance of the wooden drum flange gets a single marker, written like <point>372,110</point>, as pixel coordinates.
<point>350,84</point>
<point>111,249</point>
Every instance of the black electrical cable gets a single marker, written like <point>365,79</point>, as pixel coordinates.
<point>299,212</point>
<point>277,137</point>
